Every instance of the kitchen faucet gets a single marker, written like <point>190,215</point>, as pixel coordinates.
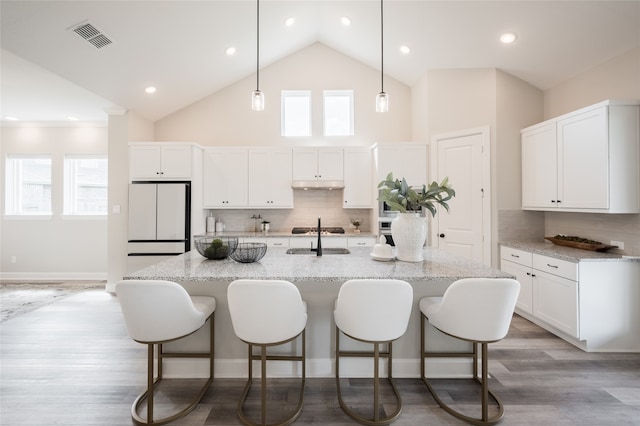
<point>318,250</point>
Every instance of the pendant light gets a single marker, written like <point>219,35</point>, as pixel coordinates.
<point>257,97</point>
<point>382,100</point>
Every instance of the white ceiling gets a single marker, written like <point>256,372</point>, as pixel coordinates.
<point>49,72</point>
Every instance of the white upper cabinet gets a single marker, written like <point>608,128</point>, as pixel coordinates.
<point>358,178</point>
<point>157,161</point>
<point>539,167</point>
<point>408,160</point>
<point>318,164</point>
<point>270,178</point>
<point>225,177</point>
<point>584,161</point>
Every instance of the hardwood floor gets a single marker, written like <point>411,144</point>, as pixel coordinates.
<point>71,363</point>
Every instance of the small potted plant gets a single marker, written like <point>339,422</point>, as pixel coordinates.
<point>408,230</point>
<point>355,221</point>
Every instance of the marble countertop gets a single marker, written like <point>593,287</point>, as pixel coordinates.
<point>276,264</point>
<point>568,253</point>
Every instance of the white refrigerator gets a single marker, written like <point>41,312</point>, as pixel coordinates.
<point>159,222</point>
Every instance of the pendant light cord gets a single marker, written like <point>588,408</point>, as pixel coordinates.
<point>381,47</point>
<point>258,46</point>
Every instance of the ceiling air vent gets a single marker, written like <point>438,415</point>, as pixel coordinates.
<point>92,35</point>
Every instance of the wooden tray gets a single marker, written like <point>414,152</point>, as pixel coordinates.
<point>583,246</point>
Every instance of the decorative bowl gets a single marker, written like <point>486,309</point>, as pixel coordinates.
<point>249,252</point>
<point>216,248</point>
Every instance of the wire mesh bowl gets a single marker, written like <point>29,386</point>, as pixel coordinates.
<point>216,248</point>
<point>249,252</point>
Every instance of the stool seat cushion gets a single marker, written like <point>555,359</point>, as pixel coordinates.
<point>474,309</point>
<point>374,310</point>
<point>158,311</point>
<point>266,311</point>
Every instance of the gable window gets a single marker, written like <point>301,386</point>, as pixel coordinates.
<point>338,112</point>
<point>85,185</point>
<point>296,113</point>
<point>28,185</point>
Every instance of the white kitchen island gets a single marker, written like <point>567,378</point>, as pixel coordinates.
<point>319,279</point>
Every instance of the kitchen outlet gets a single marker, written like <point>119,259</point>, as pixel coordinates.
<point>14,259</point>
<point>620,244</point>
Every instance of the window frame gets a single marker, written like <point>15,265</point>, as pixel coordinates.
<point>338,93</point>
<point>71,185</point>
<point>14,181</point>
<point>283,111</point>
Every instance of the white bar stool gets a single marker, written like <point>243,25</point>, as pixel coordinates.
<point>156,312</point>
<point>267,313</point>
<point>478,310</point>
<point>373,311</point>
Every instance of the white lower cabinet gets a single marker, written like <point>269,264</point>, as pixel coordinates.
<point>361,241</point>
<point>593,303</point>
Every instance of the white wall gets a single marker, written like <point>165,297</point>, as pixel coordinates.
<point>618,78</point>
<point>56,246</point>
<point>226,118</point>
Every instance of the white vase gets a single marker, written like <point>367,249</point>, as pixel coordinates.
<point>409,232</point>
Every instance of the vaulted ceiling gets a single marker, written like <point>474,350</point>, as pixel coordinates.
<point>50,72</point>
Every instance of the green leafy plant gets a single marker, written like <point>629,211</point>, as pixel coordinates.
<point>401,197</point>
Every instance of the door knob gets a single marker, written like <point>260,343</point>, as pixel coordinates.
<point>441,235</point>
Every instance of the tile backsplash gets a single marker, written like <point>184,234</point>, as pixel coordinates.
<point>521,225</point>
<point>308,206</point>
<point>599,227</point>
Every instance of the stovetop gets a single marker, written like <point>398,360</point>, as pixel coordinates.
<point>314,231</point>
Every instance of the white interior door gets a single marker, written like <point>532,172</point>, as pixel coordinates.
<point>464,158</point>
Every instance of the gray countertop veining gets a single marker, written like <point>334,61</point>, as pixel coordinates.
<point>568,253</point>
<point>276,264</point>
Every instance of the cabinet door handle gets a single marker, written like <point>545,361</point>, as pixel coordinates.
<point>553,201</point>
<point>529,274</point>
<point>552,266</point>
<point>515,255</point>
<point>441,235</point>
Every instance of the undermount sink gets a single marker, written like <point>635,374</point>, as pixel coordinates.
<point>314,251</point>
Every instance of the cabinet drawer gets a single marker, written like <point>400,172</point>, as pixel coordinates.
<point>558,267</point>
<point>515,255</point>
<point>361,242</point>
<point>277,242</point>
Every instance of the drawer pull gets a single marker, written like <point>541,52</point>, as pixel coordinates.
<point>552,266</point>
<point>515,255</point>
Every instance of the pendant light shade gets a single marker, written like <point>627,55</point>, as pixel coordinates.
<point>257,97</point>
<point>257,100</point>
<point>382,102</point>
<point>382,99</point>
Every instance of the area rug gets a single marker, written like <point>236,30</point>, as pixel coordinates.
<point>19,297</point>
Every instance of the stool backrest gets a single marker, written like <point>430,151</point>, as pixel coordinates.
<point>157,311</point>
<point>374,309</point>
<point>477,309</point>
<point>266,311</point>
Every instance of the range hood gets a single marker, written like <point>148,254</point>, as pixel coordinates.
<point>317,184</point>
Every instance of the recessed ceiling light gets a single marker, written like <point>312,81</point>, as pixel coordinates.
<point>290,21</point>
<point>230,51</point>
<point>150,89</point>
<point>346,21</point>
<point>10,118</point>
<point>508,38</point>
<point>72,118</point>
<point>405,50</point>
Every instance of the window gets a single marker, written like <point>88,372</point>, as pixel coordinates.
<point>85,184</point>
<point>338,112</point>
<point>28,185</point>
<point>296,113</point>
